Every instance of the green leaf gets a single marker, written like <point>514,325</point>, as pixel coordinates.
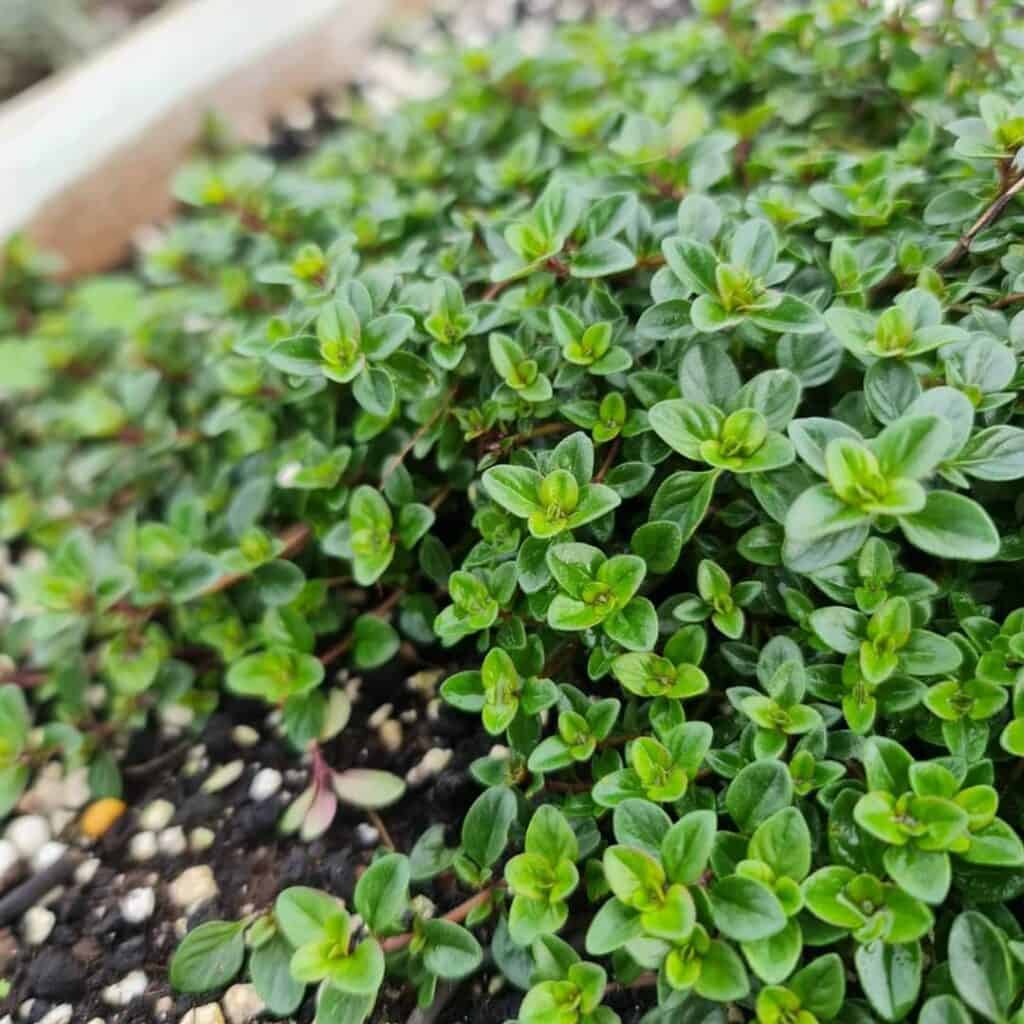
<point>687,846</point>
<point>789,316</point>
<point>890,976</point>
<point>485,827</point>
<point>514,488</point>
<point>952,526</point>
<point>375,642</point>
<point>745,910</point>
<point>336,1007</point>
<point>601,257</point>
<point>209,957</point>
<point>983,973</point>
<point>374,390</point>
<point>449,950</point>
<point>368,787</point>
<point>693,262</point>
<point>302,913</point>
<point>783,842</point>
<point>821,986</point>
<point>758,791</point>
<point>382,892</point>
<point>912,446</point>
<point>271,976</point>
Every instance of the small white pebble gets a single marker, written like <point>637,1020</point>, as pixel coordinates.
<point>367,835</point>
<point>242,1004</point>
<point>177,716</point>
<point>164,1006</point>
<point>424,682</point>
<point>433,762</point>
<point>193,887</point>
<point>434,710</point>
<point>29,833</point>
<point>380,716</point>
<point>245,736</point>
<point>60,819</point>
<point>96,696</point>
<point>499,752</point>
<point>495,985</point>
<point>224,776</point>
<point>172,842</point>
<point>48,854</point>
<point>352,688</point>
<point>59,1015</point>
<point>409,715</point>
<point>265,784</point>
<point>96,1020</point>
<point>200,839</point>
<point>138,905</point>
<point>130,987</point>
<point>208,1014</point>
<point>143,846</point>
<point>390,733</point>
<point>86,871</point>
<point>37,924</point>
<point>76,788</point>
<point>156,815</point>
<point>9,857</point>
<point>25,1010</point>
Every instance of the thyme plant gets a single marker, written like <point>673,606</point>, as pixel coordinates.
<point>667,386</point>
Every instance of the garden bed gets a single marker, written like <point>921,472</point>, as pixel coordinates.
<point>545,551</point>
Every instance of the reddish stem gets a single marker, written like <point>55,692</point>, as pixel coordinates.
<point>342,647</point>
<point>609,459</point>
<point>456,915</point>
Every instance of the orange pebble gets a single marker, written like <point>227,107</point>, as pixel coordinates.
<point>100,816</point>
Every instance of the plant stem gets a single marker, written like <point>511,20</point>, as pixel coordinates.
<point>645,980</point>
<point>991,214</point>
<point>399,458</point>
<point>378,823</point>
<point>494,290</point>
<point>456,915</point>
<point>332,654</point>
<point>609,459</point>
<point>439,499</point>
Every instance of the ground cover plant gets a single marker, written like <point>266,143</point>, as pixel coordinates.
<point>663,388</point>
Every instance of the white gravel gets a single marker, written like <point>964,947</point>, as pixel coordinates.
<point>122,992</point>
<point>37,924</point>
<point>143,846</point>
<point>242,1004</point>
<point>193,887</point>
<point>156,815</point>
<point>172,841</point>
<point>224,776</point>
<point>48,854</point>
<point>29,833</point>
<point>137,905</point>
<point>265,784</point>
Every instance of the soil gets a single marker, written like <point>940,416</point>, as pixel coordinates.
<point>92,946</point>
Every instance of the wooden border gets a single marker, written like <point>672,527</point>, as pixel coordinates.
<point>86,158</point>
